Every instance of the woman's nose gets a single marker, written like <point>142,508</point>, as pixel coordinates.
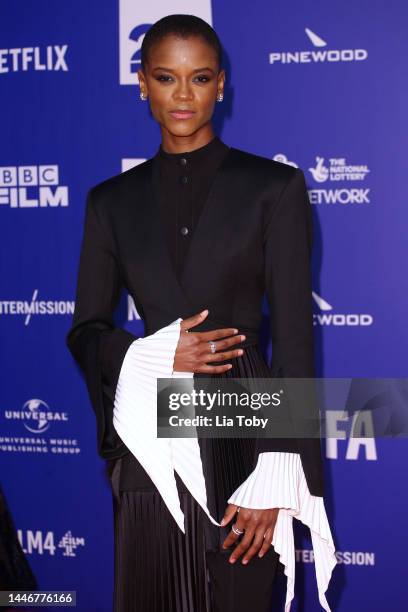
<point>183,91</point>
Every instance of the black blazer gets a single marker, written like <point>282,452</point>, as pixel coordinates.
<point>254,235</point>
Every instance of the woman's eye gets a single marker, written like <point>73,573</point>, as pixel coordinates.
<point>163,77</point>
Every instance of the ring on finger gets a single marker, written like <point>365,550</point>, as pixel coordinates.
<point>236,530</point>
<point>213,346</point>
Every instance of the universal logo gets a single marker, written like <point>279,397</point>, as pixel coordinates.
<point>32,187</point>
<point>36,416</point>
<point>322,54</point>
<point>135,18</point>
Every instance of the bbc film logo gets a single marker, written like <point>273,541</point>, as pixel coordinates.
<point>32,187</point>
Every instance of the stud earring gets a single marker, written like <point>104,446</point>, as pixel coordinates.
<point>142,96</point>
<point>220,97</point>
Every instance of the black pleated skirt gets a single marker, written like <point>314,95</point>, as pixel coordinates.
<point>157,567</point>
<point>160,569</point>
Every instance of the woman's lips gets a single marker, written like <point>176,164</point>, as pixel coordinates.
<point>182,114</point>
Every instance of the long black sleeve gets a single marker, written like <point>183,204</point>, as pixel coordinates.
<point>95,343</point>
<point>287,249</point>
<point>288,237</point>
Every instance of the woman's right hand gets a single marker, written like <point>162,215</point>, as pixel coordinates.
<point>193,351</point>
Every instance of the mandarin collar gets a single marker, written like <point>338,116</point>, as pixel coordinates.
<point>196,155</point>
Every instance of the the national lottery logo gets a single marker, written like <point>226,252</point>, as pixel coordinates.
<point>23,59</point>
<point>32,187</point>
<point>43,543</point>
<point>337,169</point>
<point>328,316</point>
<point>135,18</point>
<point>331,172</point>
<point>36,416</point>
<point>321,53</point>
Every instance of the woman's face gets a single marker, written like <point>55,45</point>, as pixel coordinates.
<point>182,75</point>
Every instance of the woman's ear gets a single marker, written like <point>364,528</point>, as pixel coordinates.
<point>142,81</point>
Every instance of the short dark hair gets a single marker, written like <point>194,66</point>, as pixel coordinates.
<point>182,26</point>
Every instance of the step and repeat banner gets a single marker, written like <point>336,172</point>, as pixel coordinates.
<point>320,85</point>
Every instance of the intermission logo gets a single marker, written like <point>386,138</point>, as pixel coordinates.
<point>329,317</point>
<point>36,307</point>
<point>334,171</point>
<point>321,53</point>
<point>24,59</point>
<point>32,187</point>
<point>43,543</point>
<point>344,557</point>
<point>135,18</point>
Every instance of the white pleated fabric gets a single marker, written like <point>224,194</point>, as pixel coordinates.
<point>135,420</point>
<point>278,480</point>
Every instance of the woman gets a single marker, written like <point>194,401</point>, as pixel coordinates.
<point>197,234</point>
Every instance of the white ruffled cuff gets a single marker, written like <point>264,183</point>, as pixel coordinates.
<point>135,409</point>
<point>135,420</point>
<point>278,481</point>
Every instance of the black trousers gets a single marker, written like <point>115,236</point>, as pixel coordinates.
<point>157,568</point>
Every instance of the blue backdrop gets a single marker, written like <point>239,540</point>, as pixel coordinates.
<point>333,72</point>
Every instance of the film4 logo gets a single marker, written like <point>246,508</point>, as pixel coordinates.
<point>43,542</point>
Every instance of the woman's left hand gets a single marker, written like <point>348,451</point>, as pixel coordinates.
<point>259,526</point>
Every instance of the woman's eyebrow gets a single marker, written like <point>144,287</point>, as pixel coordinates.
<point>195,70</point>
